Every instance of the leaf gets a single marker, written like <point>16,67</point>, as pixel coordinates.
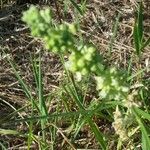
<point>138,30</point>
<point>114,31</point>
<point>142,113</point>
<point>77,7</point>
<point>143,142</point>
<point>136,39</point>
<point>8,132</point>
<point>140,22</point>
<point>98,134</point>
<point>145,44</point>
<point>145,136</point>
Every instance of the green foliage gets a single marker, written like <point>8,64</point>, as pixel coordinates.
<point>76,6</point>
<point>84,60</point>
<point>145,134</point>
<point>139,42</point>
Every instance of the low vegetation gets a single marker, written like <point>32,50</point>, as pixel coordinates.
<point>95,101</point>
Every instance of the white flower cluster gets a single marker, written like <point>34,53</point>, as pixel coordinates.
<point>57,39</point>
<point>84,60</point>
<point>120,125</point>
<point>111,85</point>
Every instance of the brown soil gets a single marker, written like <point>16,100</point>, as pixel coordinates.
<point>96,25</point>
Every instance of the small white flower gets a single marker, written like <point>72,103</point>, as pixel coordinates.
<point>78,76</point>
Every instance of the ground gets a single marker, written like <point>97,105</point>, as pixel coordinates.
<point>96,26</point>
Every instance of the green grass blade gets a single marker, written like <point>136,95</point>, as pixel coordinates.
<point>138,30</point>
<point>8,132</point>
<point>42,105</point>
<point>85,113</point>
<point>140,22</point>
<point>35,71</point>
<point>142,113</point>
<point>143,142</point>
<point>72,90</point>
<point>76,6</point>
<point>74,96</point>
<point>24,86</point>
<point>145,44</point>
<point>79,125</point>
<point>99,136</point>
<point>26,89</point>
<point>129,69</point>
<point>29,142</point>
<point>2,147</point>
<point>136,74</point>
<point>145,136</point>
<point>136,39</point>
<point>52,116</point>
<point>8,117</point>
<point>115,28</point>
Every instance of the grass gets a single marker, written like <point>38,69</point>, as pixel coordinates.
<point>105,106</point>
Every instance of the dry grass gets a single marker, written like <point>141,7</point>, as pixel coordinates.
<point>96,25</point>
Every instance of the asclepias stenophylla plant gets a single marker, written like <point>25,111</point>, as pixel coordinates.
<point>83,61</point>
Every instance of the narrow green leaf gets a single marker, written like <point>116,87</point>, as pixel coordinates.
<point>142,113</point>
<point>145,139</point>
<point>115,28</point>
<point>8,132</point>
<point>42,105</point>
<point>145,44</point>
<point>143,142</point>
<point>35,71</point>
<point>140,22</point>
<point>76,6</point>
<point>26,89</point>
<point>94,128</point>
<point>85,113</point>
<point>136,39</point>
<point>74,96</point>
<point>99,136</point>
<point>145,136</point>
<point>136,74</point>
<point>79,125</point>
<point>24,86</point>
<point>58,115</point>
<point>30,140</point>
<point>2,147</point>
